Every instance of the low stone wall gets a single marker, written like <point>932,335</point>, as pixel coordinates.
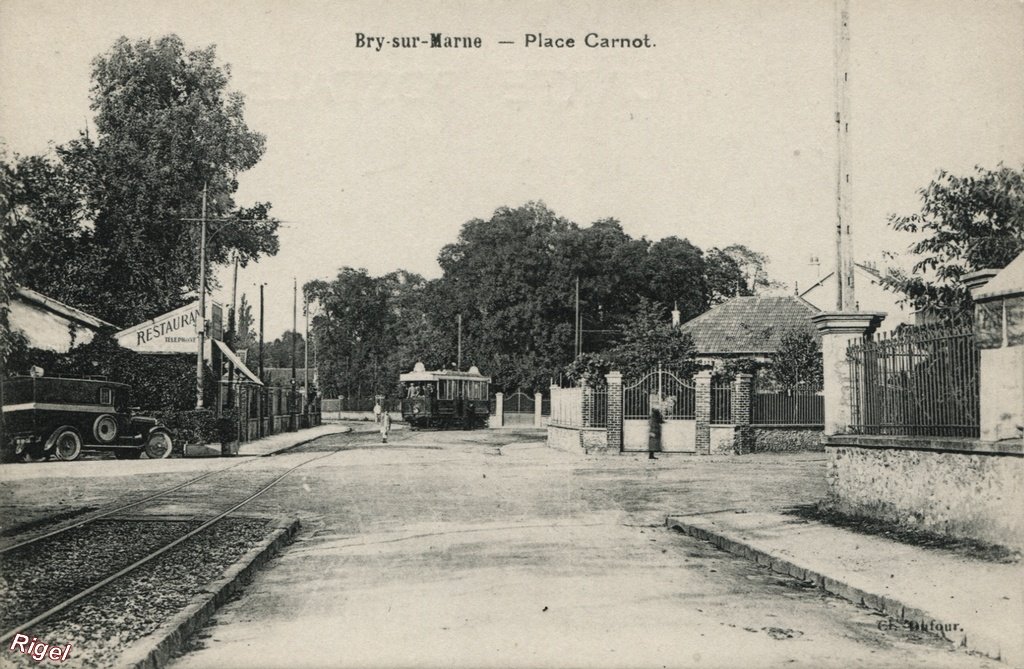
<point>782,438</point>
<point>958,488</point>
<point>723,439</point>
<point>580,440</point>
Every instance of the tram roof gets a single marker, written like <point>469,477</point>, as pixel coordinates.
<point>443,374</point>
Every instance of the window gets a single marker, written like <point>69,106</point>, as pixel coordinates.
<point>106,396</point>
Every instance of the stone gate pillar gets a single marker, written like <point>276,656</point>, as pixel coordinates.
<point>837,331</point>
<point>538,406</point>
<point>702,410</point>
<point>499,410</point>
<point>614,429</point>
<point>743,436</point>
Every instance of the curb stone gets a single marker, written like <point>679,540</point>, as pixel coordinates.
<point>156,649</point>
<point>895,609</point>
<point>344,430</point>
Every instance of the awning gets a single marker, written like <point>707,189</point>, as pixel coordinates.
<point>237,362</point>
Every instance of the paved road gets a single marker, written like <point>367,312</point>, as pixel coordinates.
<point>485,550</point>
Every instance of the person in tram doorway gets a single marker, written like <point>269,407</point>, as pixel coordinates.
<point>376,412</point>
<point>385,426</point>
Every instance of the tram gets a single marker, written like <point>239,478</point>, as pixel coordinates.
<point>445,398</point>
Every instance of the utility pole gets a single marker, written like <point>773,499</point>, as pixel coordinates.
<point>295,329</point>
<point>458,364</point>
<point>578,347</point>
<point>231,329</point>
<point>261,389</point>
<point>305,349</point>
<point>201,326</point>
<point>261,331</point>
<point>845,300</point>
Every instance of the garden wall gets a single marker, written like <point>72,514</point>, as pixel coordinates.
<point>959,488</point>
<point>777,439</point>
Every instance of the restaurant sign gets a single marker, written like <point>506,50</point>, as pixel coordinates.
<point>173,332</point>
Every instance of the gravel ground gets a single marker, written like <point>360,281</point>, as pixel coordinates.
<point>102,626</point>
<point>36,576</point>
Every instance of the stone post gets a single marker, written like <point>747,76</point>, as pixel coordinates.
<point>538,405</point>
<point>614,429</point>
<point>499,409</point>
<point>702,411</point>
<point>1001,381</point>
<point>837,331</point>
<point>743,436</point>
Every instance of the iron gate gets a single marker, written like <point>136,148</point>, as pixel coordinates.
<point>673,400</point>
<point>518,409</point>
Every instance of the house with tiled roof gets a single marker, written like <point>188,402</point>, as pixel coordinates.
<point>748,327</point>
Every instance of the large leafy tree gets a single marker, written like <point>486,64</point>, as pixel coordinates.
<point>507,280</point>
<point>105,219</point>
<point>797,363</point>
<point>370,329</point>
<point>650,340</point>
<point>965,224</point>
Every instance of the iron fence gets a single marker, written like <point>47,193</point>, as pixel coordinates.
<point>595,407</point>
<point>791,406</point>
<point>922,381</point>
<point>721,402</point>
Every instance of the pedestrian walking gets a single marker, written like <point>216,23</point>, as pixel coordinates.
<point>376,412</point>
<point>385,426</point>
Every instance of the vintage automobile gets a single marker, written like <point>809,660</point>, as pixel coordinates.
<point>60,417</point>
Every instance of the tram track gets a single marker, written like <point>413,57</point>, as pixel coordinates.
<point>198,526</point>
<point>119,508</point>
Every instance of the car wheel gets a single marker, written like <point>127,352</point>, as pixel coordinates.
<point>105,429</point>
<point>67,445</point>
<point>159,445</point>
<point>128,454</point>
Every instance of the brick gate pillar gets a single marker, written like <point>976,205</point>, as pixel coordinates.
<point>743,436</point>
<point>614,429</point>
<point>538,406</point>
<point>702,410</point>
<point>837,331</point>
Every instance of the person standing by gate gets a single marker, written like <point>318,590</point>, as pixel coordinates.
<point>385,426</point>
<point>654,427</point>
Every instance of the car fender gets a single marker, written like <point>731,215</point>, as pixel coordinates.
<point>52,439</point>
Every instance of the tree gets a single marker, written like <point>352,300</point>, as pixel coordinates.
<point>675,270</point>
<point>797,362</point>
<point>278,353</point>
<point>589,369</point>
<point>650,340</point>
<point>724,277</point>
<point>970,223</point>
<point>507,279</point>
<point>105,224</point>
<point>245,337</point>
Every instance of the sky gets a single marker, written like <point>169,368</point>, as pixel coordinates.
<point>722,132</point>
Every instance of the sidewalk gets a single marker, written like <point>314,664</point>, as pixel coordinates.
<point>984,600</point>
<point>285,440</point>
